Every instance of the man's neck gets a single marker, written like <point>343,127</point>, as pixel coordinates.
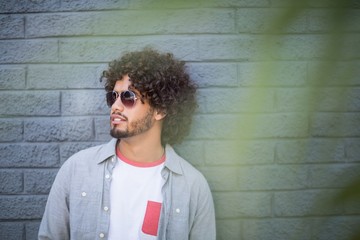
<point>141,151</point>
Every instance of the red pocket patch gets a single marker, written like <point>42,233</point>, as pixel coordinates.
<point>151,219</point>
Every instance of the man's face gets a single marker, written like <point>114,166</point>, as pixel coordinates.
<point>126,122</point>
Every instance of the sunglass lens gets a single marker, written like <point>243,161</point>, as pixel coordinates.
<point>128,98</point>
<point>110,98</point>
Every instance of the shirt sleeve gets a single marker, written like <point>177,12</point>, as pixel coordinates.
<point>55,222</point>
<point>204,225</point>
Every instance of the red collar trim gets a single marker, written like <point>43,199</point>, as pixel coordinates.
<point>139,164</point>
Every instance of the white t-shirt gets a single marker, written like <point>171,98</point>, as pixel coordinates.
<point>135,199</point>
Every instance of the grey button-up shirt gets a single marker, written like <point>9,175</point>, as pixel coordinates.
<point>78,206</point>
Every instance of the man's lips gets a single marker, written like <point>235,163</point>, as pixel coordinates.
<point>117,118</point>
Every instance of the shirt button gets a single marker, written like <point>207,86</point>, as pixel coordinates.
<point>107,176</point>
<point>83,194</point>
<point>177,210</point>
<point>106,209</point>
<point>101,235</point>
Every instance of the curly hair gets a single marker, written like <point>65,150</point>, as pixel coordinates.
<point>163,81</point>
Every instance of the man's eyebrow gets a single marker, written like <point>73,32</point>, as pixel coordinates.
<point>132,88</point>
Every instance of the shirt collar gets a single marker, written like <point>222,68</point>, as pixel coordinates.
<point>172,161</point>
<point>107,150</point>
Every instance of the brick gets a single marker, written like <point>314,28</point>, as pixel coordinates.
<point>310,151</point>
<point>29,51</point>
<point>184,4</point>
<point>13,6</point>
<point>329,3</point>
<point>260,20</point>
<point>294,100</point>
<point>32,230</point>
<point>243,47</point>
<point>242,204</point>
<point>22,207</point>
<point>221,178</point>
<point>338,99</point>
<point>245,126</point>
<point>275,73</point>
<point>68,149</point>
<point>87,102</point>
<point>305,203</point>
<point>324,20</point>
<point>334,175</point>
<point>213,126</point>
<point>340,49</point>
<point>43,5</point>
<point>192,151</point>
<point>323,99</point>
<point>77,5</point>
<point>351,203</point>
<point>11,181</point>
<point>351,20</point>
<point>272,177</point>
<point>11,230</point>
<point>55,129</point>
<point>295,4</point>
<point>61,76</point>
<point>277,228</point>
<point>12,26</point>
<point>315,46</point>
<point>165,22</point>
<point>352,149</point>
<point>218,153</point>
<point>213,74</point>
<point>39,181</point>
<point>239,3</point>
<point>31,103</point>
<point>335,125</point>
<point>12,77</point>
<point>102,129</point>
<point>11,130</point>
<point>334,73</point>
<point>238,100</point>
<point>277,125</point>
<point>29,155</point>
<point>159,4</point>
<point>229,229</point>
<point>105,50</point>
<point>299,47</point>
<point>320,20</point>
<point>48,25</point>
<point>339,227</point>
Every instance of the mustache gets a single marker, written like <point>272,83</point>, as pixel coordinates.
<point>118,114</point>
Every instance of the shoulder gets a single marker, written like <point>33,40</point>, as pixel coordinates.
<point>90,156</point>
<point>84,153</point>
<point>96,153</point>
<point>84,163</point>
<point>184,170</point>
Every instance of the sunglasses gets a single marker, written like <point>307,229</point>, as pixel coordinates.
<point>128,98</point>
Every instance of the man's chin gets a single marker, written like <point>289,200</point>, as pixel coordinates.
<point>116,133</point>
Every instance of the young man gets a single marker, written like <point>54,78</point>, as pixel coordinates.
<point>135,187</point>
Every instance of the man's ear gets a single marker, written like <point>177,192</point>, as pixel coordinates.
<point>160,114</point>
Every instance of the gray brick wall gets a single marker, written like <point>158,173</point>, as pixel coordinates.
<point>277,132</point>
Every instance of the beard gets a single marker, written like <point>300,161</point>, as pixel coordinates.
<point>134,128</point>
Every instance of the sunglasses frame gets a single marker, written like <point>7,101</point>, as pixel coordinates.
<point>128,102</point>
